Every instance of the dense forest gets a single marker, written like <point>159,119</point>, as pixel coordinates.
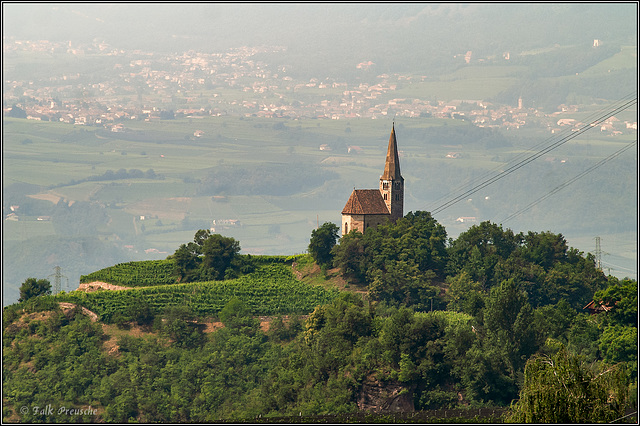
<point>423,322</point>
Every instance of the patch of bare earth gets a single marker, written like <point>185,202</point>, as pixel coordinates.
<point>211,325</point>
<point>36,316</point>
<point>68,307</point>
<point>47,196</point>
<point>265,322</point>
<point>99,285</point>
<point>114,333</point>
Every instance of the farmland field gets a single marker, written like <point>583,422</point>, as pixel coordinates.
<point>188,182</point>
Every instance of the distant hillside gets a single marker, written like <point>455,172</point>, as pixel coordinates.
<point>396,37</point>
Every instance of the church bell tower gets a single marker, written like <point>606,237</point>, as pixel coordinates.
<point>391,181</point>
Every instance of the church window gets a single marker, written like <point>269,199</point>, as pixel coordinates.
<point>346,227</point>
<point>385,197</point>
<point>385,185</point>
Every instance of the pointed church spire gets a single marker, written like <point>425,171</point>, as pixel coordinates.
<point>392,166</point>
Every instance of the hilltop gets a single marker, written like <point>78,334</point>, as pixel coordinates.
<point>398,321</point>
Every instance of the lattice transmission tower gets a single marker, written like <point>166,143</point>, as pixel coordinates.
<point>57,278</point>
<point>598,255</point>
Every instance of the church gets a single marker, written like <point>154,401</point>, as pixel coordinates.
<point>372,207</point>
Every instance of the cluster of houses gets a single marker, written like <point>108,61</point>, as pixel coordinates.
<point>147,86</point>
<point>13,214</point>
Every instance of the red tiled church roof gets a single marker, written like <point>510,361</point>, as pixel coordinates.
<point>365,201</point>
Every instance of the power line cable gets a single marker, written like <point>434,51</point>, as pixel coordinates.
<point>536,155</point>
<point>635,271</point>
<point>570,181</point>
<point>566,131</point>
<point>623,245</point>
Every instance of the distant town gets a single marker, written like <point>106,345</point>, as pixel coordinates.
<point>148,86</point>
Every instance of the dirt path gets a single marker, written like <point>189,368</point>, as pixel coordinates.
<point>66,307</point>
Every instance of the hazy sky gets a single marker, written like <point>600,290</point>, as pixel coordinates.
<point>328,39</point>
<point>292,23</point>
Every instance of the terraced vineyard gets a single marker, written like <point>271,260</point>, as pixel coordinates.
<point>271,290</point>
<point>135,274</point>
<point>159,272</point>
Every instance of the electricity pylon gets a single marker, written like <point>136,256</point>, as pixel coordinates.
<point>598,254</point>
<point>57,275</point>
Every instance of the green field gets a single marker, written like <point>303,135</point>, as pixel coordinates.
<point>148,218</point>
<point>58,154</point>
<point>626,58</point>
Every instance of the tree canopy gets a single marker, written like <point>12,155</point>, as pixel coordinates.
<point>400,262</point>
<point>322,241</point>
<point>209,257</point>
<point>33,287</point>
<point>564,389</point>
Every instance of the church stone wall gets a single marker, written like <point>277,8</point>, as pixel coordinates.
<point>373,220</point>
<point>351,222</point>
<point>361,222</point>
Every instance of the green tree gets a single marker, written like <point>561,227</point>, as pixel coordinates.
<point>208,257</point>
<point>32,287</point>
<point>619,339</point>
<point>187,260</point>
<point>622,299</point>
<point>400,262</point>
<point>237,315</point>
<point>322,241</point>
<point>564,389</point>
<point>555,320</point>
<point>509,321</point>
<point>425,239</point>
<point>464,295</point>
<point>219,253</point>
<point>16,112</point>
<point>345,318</point>
<point>402,282</point>
<point>332,330</point>
<point>349,256</point>
<point>487,376</point>
<point>583,336</point>
<point>178,324</point>
<point>140,311</point>
<point>619,344</point>
<point>479,249</point>
<point>544,248</point>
